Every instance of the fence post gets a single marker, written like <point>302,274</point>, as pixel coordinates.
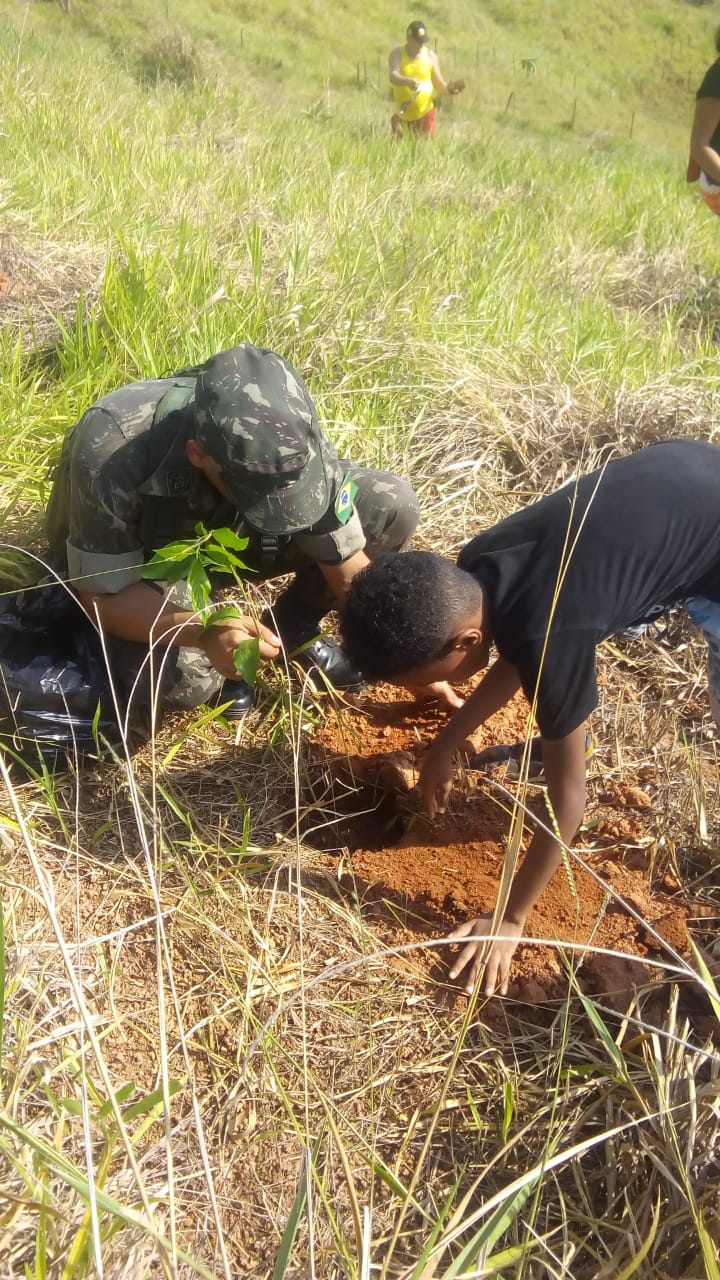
<point>365,71</point>
<point>574,114</point>
<point>632,123</point>
<point>510,102</point>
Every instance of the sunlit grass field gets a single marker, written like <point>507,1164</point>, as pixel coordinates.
<point>207,1066</point>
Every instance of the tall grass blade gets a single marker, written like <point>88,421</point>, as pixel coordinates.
<point>282,1261</point>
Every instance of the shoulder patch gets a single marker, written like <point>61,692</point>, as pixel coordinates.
<point>344,501</point>
<point>178,483</point>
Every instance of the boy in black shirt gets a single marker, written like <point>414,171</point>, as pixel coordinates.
<point>545,586</point>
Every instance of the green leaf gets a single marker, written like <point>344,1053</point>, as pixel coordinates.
<point>710,985</point>
<point>437,1228</point>
<point>171,570</point>
<point>247,659</point>
<point>603,1033</point>
<point>224,613</point>
<point>121,1096</point>
<point>291,1227</point>
<point>154,1099</point>
<point>218,558</point>
<point>498,1223</point>
<point>709,1252</point>
<point>199,586</point>
<point>73,1106</point>
<point>227,538</point>
<point>508,1108</point>
<point>178,570</point>
<point>96,728</point>
<point>187,548</point>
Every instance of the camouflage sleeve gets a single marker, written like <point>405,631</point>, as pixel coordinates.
<point>339,534</point>
<point>104,549</point>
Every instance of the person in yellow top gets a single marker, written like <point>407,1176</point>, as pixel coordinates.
<point>416,79</point>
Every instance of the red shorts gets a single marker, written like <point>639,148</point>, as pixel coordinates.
<point>426,127</point>
<point>712,199</point>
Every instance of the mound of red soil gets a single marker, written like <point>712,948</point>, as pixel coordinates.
<point>421,879</point>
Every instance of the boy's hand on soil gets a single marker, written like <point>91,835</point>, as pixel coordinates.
<point>469,962</point>
<point>436,779</point>
<point>444,692</point>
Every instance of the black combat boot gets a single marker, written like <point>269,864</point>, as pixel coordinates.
<point>323,654</point>
<point>239,694</point>
<point>296,618</point>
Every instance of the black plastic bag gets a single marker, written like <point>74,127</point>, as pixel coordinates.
<point>56,703</point>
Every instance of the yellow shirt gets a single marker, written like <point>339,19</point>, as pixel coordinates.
<point>420,100</point>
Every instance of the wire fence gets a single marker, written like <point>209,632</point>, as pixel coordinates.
<point>524,77</point>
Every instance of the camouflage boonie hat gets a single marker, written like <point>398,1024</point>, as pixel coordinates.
<point>255,418</point>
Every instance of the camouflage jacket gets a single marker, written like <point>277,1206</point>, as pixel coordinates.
<point>124,487</point>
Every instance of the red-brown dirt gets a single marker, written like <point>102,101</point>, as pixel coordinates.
<point>419,880</point>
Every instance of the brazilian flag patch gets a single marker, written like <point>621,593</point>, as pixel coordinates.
<point>344,501</point>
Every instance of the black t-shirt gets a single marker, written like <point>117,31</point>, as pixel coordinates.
<point>710,88</point>
<point>614,546</point>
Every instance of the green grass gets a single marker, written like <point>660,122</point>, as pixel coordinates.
<point>484,315</point>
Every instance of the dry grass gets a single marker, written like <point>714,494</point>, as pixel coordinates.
<point>42,285</point>
<point>486,446</point>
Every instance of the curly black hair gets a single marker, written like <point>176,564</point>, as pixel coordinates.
<point>401,611</point>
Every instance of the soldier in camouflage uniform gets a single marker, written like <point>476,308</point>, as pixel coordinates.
<point>234,444</point>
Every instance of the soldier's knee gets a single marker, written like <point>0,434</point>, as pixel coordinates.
<point>193,681</point>
<point>389,510</point>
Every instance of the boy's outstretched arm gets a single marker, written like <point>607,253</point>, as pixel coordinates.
<point>496,688</point>
<point>564,761</point>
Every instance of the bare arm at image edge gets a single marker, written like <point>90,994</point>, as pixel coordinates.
<point>705,122</point>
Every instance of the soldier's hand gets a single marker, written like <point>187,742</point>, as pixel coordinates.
<point>222,639</point>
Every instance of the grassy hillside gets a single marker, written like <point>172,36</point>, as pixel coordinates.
<point>247,202</point>
<point>209,1064</point>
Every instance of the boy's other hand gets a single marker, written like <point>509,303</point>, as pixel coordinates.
<point>468,963</point>
<point>436,779</point>
<point>441,690</point>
